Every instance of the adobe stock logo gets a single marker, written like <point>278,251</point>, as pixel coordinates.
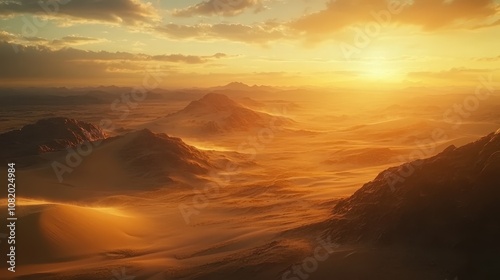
<point>121,274</point>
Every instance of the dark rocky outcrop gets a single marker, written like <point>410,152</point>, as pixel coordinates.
<point>47,135</point>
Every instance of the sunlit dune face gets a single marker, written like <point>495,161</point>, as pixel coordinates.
<point>28,202</point>
<point>111,211</point>
<point>62,230</point>
<point>206,146</point>
<point>106,211</point>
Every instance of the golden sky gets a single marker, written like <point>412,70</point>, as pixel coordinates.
<point>195,43</point>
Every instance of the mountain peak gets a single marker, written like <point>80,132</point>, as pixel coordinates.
<point>144,133</point>
<point>217,98</point>
<point>217,113</point>
<point>237,85</point>
<point>47,135</point>
<point>212,101</point>
<point>158,155</point>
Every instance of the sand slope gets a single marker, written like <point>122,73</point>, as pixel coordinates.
<point>59,232</point>
<point>215,114</point>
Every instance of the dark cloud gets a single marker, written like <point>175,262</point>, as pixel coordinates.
<point>65,41</point>
<point>130,12</point>
<point>220,7</point>
<point>253,34</point>
<point>32,62</point>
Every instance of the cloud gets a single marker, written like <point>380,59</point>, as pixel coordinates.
<point>429,15</point>
<point>30,39</point>
<point>128,12</point>
<point>66,41</point>
<point>253,34</point>
<point>489,59</point>
<point>30,62</point>
<point>455,74</point>
<point>219,7</point>
<point>189,59</point>
<point>74,41</point>
<point>6,36</point>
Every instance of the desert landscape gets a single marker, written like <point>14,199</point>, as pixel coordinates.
<point>249,139</point>
<point>246,189</point>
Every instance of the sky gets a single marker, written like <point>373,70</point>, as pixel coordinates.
<point>198,43</point>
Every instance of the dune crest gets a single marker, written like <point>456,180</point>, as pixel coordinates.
<point>158,155</point>
<point>214,114</point>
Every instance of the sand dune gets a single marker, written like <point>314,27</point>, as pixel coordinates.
<point>57,232</point>
<point>135,161</point>
<point>215,114</point>
<point>364,157</point>
<point>119,208</point>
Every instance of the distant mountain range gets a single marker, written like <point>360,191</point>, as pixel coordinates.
<point>107,94</point>
<point>64,96</point>
<point>238,86</point>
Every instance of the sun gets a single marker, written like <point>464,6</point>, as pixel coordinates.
<point>377,69</point>
<point>380,69</point>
